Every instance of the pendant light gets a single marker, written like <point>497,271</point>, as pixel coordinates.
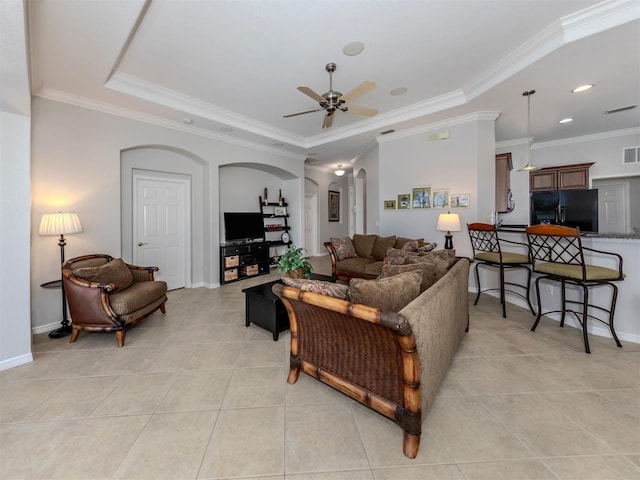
<point>339,172</point>
<point>529,167</point>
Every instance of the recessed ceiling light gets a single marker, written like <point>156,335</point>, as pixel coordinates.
<point>352,49</point>
<point>582,88</point>
<point>566,120</point>
<point>399,91</point>
<point>226,129</point>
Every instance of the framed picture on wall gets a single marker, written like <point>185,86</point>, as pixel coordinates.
<point>440,198</point>
<point>459,200</point>
<point>389,204</point>
<point>334,206</point>
<point>404,201</point>
<point>421,197</point>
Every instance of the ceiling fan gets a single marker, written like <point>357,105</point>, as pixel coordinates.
<point>334,100</point>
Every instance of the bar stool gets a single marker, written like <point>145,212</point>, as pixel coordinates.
<point>558,255</point>
<point>487,252</point>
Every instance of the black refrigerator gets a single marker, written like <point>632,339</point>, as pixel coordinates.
<point>571,208</point>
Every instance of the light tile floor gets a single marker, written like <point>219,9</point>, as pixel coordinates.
<point>195,394</point>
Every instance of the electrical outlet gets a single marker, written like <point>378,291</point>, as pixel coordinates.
<point>548,289</point>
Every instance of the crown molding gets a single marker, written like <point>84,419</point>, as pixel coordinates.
<point>587,22</point>
<point>586,138</point>
<point>472,117</point>
<point>102,107</point>
<point>129,85</point>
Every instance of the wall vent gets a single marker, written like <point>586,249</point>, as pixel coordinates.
<point>631,155</point>
<point>621,109</point>
<point>386,132</point>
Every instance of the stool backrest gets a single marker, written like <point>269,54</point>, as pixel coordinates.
<point>555,244</point>
<point>484,238</point>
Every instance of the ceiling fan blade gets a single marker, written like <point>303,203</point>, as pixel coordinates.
<point>312,94</point>
<point>360,90</point>
<point>302,113</point>
<point>367,112</point>
<point>328,120</point>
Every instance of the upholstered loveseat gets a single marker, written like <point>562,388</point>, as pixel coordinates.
<point>392,362</point>
<point>109,295</point>
<point>362,256</point>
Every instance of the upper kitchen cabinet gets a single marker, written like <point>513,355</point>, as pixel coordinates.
<point>565,177</point>
<point>503,181</point>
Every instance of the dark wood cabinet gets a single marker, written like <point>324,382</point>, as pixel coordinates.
<point>242,260</point>
<point>503,181</point>
<point>565,177</point>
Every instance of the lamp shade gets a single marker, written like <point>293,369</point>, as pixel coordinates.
<point>59,224</point>
<point>448,222</point>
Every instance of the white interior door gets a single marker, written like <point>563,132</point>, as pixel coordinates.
<point>612,210</point>
<point>161,227</point>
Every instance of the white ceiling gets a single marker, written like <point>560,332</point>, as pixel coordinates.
<point>238,63</point>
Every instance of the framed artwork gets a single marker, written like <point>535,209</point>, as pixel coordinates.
<point>404,201</point>
<point>280,211</point>
<point>334,206</point>
<point>389,204</point>
<point>460,200</point>
<point>440,198</point>
<point>421,197</point>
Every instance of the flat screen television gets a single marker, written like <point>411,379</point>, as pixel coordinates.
<point>243,226</point>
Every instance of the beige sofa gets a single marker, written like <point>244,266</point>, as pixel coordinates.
<point>391,362</point>
<point>366,258</point>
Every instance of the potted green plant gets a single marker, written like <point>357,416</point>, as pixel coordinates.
<point>294,264</point>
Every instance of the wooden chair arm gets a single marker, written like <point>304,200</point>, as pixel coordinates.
<point>334,258</point>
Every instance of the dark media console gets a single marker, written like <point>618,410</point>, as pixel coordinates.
<point>242,260</point>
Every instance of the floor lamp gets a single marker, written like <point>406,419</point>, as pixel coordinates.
<point>448,222</point>
<point>61,224</point>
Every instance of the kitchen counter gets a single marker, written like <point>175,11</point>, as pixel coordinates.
<point>521,229</point>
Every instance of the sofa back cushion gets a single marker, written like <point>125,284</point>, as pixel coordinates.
<point>344,248</point>
<point>381,245</point>
<point>364,244</point>
<point>388,294</point>
<point>115,271</point>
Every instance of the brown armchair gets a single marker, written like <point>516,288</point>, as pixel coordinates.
<point>108,295</point>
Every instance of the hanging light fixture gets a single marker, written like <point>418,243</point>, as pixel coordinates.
<point>339,172</point>
<point>529,167</point>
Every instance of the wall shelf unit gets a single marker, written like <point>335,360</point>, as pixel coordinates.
<point>276,227</point>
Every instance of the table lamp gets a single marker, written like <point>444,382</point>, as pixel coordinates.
<point>448,222</point>
<point>60,224</point>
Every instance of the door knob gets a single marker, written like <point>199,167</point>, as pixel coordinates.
<point>140,244</point>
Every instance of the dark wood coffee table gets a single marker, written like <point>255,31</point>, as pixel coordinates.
<point>265,309</point>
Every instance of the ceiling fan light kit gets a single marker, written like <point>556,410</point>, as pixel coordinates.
<point>333,100</point>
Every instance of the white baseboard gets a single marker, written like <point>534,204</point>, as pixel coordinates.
<point>16,361</point>
<point>45,328</point>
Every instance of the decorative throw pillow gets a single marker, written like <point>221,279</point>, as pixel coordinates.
<point>400,241</point>
<point>449,256</point>
<point>427,247</point>
<point>410,246</point>
<point>389,294</point>
<point>115,272</point>
<point>364,244</point>
<point>394,256</point>
<point>330,289</point>
<point>344,248</point>
<point>381,245</point>
<point>429,271</point>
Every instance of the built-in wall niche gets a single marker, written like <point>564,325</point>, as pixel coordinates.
<point>240,186</point>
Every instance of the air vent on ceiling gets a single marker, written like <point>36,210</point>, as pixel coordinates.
<point>621,109</point>
<point>387,131</point>
<point>631,155</point>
